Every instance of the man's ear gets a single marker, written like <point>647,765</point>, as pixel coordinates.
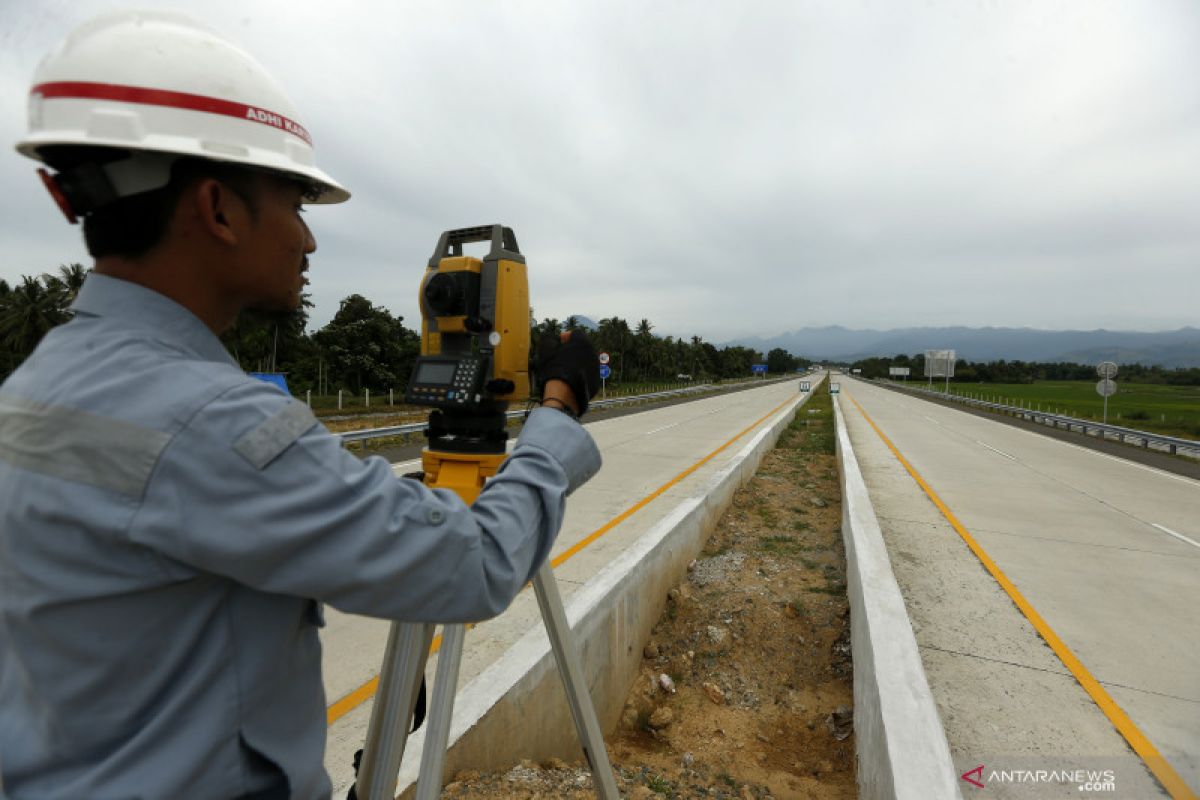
<point>221,212</point>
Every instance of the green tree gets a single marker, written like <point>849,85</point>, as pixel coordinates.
<point>8,359</point>
<point>29,311</point>
<point>644,351</point>
<point>366,347</point>
<point>538,330</point>
<point>735,361</point>
<point>271,341</point>
<point>780,360</point>
<point>66,284</point>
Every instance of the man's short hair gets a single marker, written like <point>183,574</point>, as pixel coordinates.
<point>130,226</point>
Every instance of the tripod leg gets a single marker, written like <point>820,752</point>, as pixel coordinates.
<point>582,709</point>
<point>399,681</point>
<point>441,708</point>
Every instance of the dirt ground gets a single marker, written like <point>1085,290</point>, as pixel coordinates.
<point>745,689</point>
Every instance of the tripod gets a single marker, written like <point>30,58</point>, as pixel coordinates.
<point>408,650</point>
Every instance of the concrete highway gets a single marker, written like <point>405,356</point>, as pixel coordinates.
<point>1106,552</point>
<point>644,456</point>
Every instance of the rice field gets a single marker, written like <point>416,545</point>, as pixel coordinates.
<point>1170,410</point>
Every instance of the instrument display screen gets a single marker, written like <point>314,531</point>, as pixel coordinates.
<point>435,372</point>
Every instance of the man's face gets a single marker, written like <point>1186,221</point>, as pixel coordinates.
<point>276,256</point>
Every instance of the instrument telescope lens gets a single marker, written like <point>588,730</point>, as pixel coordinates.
<point>445,296</point>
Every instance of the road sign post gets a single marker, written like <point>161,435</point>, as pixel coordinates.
<point>1106,387</point>
<point>605,371</point>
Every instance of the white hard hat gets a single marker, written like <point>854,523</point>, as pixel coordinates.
<point>161,85</point>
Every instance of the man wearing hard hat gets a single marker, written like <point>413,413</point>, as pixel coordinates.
<point>169,527</point>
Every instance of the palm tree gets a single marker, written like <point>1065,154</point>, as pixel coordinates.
<point>538,331</point>
<point>643,344</point>
<point>66,284</point>
<point>29,311</point>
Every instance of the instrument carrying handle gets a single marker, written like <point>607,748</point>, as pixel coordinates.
<point>503,240</point>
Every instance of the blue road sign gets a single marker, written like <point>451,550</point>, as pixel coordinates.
<point>758,369</point>
<point>605,371</point>
<point>275,378</point>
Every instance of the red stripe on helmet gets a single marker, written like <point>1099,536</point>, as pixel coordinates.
<point>169,99</point>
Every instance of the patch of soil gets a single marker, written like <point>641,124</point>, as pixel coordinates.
<point>745,689</point>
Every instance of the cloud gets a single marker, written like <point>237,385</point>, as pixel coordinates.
<point>718,167</point>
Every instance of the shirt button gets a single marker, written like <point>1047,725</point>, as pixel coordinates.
<point>436,516</point>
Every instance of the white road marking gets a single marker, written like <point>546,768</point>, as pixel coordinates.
<point>994,450</point>
<point>399,468</point>
<point>934,421</point>
<point>1178,536</point>
<point>1161,472</point>
<point>665,427</point>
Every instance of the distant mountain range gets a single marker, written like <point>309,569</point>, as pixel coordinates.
<point>1170,349</point>
<point>585,322</point>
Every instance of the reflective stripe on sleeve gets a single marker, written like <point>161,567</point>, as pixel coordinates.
<point>78,446</point>
<point>264,443</point>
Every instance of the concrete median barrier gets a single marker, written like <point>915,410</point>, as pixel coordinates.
<point>902,748</point>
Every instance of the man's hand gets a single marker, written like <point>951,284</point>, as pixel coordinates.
<point>568,370</point>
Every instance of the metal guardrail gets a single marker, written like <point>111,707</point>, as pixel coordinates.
<point>1156,441</point>
<point>612,402</point>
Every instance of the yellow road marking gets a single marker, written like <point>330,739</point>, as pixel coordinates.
<point>362,694</point>
<point>639,505</point>
<point>1154,760</point>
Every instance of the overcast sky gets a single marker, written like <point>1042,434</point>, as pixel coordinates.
<point>726,168</point>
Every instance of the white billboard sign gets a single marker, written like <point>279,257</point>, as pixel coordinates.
<point>898,372</point>
<point>939,363</point>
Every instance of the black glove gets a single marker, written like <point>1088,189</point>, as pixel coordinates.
<point>574,362</point>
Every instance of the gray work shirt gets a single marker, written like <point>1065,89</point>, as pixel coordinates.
<point>169,528</point>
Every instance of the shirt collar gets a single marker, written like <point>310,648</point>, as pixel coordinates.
<point>137,306</point>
